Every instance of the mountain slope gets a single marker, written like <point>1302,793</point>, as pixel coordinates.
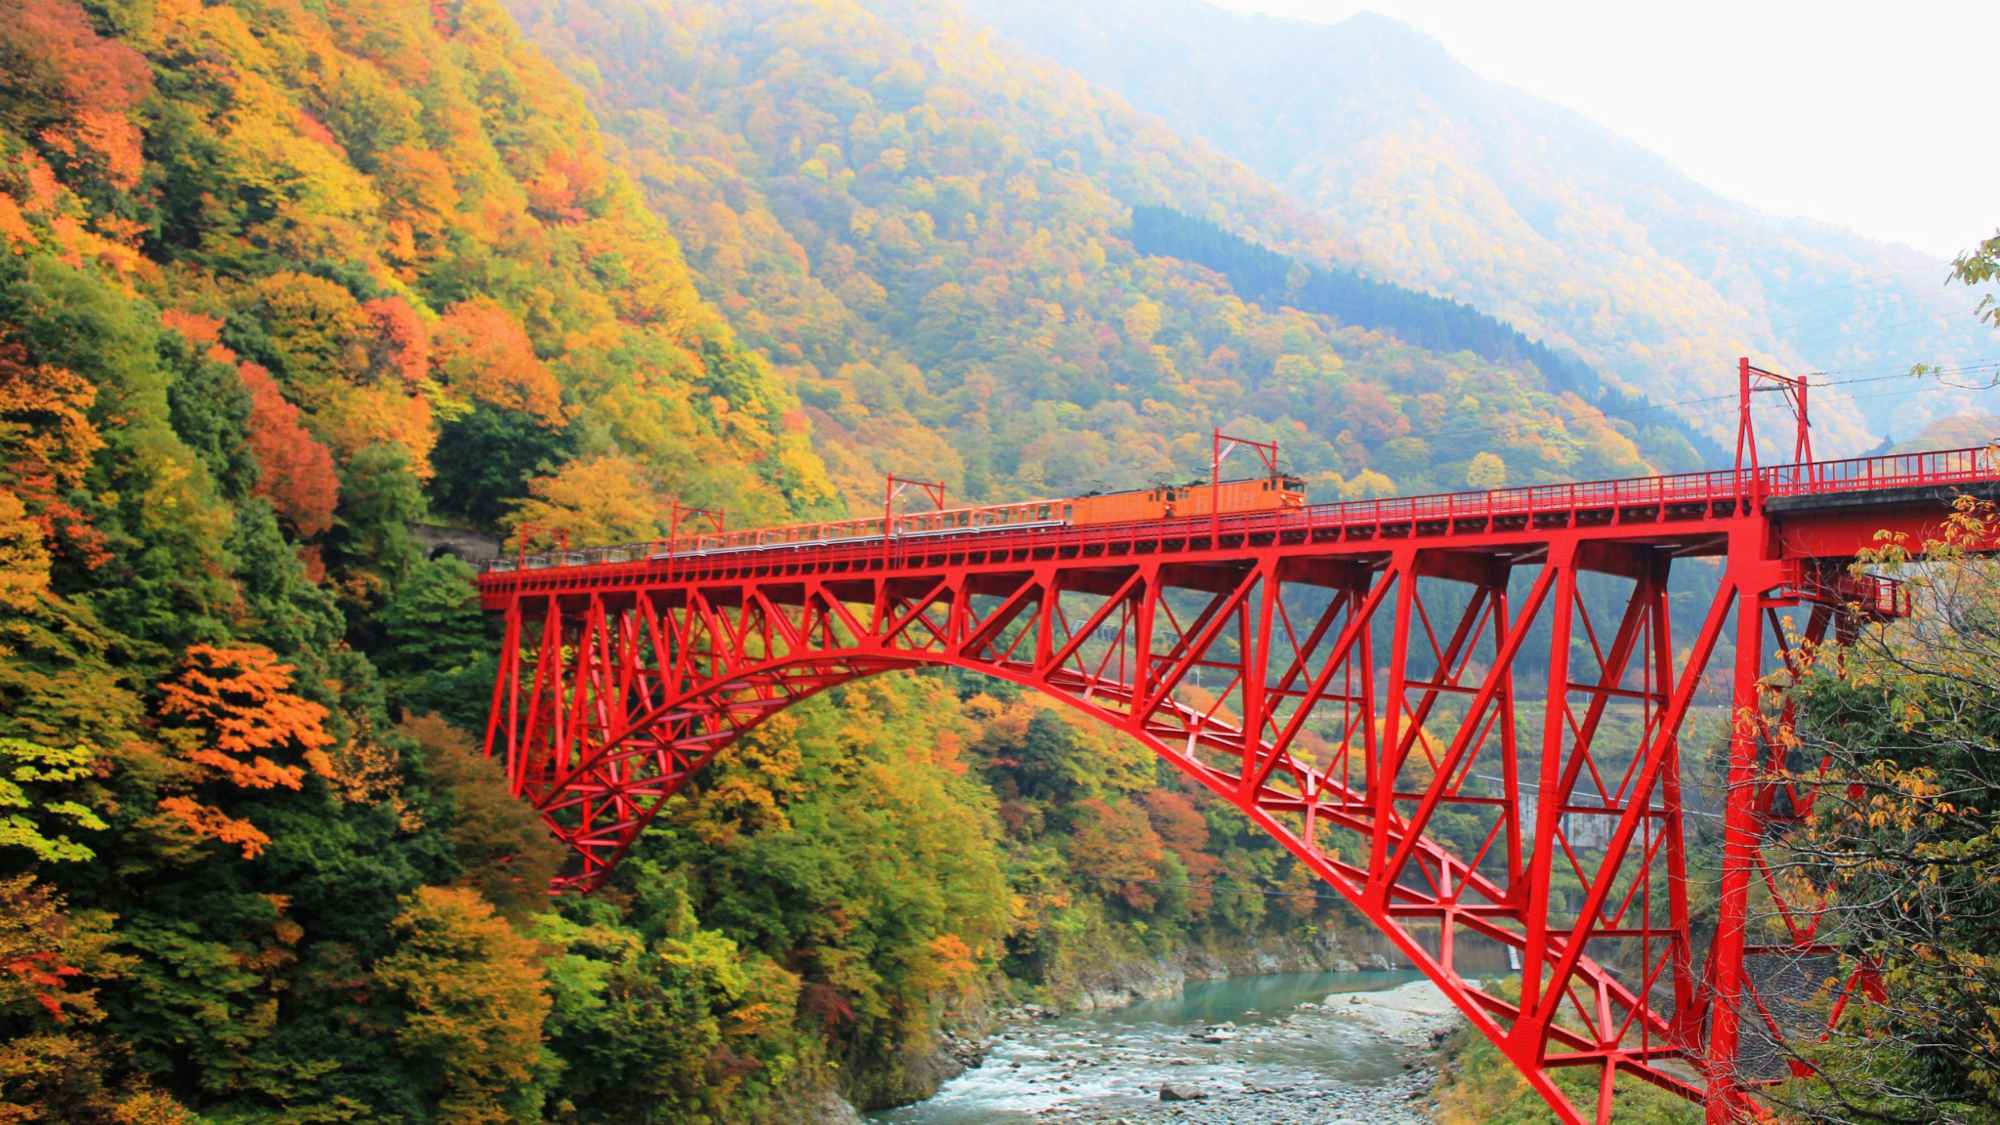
<point>931,235</point>
<point>1481,191</point>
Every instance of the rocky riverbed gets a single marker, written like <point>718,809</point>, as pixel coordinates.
<point>1289,1050</point>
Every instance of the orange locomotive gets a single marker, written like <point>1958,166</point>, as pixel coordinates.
<point>1164,502</point>
<point>1275,490</point>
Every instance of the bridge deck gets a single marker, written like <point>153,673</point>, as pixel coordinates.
<point>1829,506</point>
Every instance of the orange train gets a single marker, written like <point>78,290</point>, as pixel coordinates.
<point>1276,491</point>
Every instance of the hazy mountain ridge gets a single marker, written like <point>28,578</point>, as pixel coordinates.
<point>1479,190</point>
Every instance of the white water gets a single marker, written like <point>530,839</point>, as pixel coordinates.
<point>1106,1061</point>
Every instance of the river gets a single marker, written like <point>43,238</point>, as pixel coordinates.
<point>1110,1064</point>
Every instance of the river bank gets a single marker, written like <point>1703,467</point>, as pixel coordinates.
<point>1297,1049</point>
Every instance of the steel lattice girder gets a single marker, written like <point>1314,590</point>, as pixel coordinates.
<point>1525,731</point>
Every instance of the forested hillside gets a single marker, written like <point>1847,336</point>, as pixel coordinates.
<point>281,280</point>
<point>1459,185</point>
<point>932,238</point>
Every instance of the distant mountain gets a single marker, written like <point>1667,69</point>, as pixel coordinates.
<point>1477,190</point>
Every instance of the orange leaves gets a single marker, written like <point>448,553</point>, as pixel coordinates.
<point>481,352</point>
<point>194,327</point>
<point>1116,845</point>
<point>47,442</point>
<point>45,429</point>
<point>355,418</point>
<point>233,717</point>
<point>298,471</point>
<point>70,88</point>
<point>400,347</point>
<point>210,823</point>
<point>241,699</point>
<point>568,183</point>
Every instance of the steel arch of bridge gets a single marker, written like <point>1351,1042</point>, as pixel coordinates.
<point>1510,664</point>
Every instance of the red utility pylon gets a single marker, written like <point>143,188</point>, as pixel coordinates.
<point>1463,712</point>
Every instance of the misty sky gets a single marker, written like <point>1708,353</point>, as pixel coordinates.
<point>1872,115</point>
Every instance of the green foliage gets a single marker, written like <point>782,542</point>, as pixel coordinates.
<point>501,847</point>
<point>666,1023</point>
<point>37,819</point>
<point>1902,852</point>
<point>1484,1088</point>
<point>486,458</point>
<point>1979,266</point>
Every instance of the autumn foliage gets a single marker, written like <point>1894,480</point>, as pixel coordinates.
<point>298,472</point>
<point>481,352</point>
<point>235,722</point>
<point>71,89</point>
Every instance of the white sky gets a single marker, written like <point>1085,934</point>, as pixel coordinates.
<point>1871,115</point>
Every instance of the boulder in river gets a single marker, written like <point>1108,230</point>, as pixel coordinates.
<point>1176,1092</point>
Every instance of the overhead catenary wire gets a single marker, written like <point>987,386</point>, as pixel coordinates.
<point>1590,414</point>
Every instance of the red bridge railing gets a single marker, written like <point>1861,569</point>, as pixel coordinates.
<point>1631,497</point>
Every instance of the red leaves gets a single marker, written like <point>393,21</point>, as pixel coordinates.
<point>1370,414</point>
<point>38,945</point>
<point>298,471</point>
<point>400,348</point>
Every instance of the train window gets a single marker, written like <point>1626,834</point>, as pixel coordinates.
<point>1068,511</point>
<point>1042,513</point>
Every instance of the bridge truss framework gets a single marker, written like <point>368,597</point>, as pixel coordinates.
<point>1465,713</point>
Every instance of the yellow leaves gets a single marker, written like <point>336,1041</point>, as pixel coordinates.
<point>473,1002</point>
<point>354,418</point>
<point>24,557</point>
<point>1486,471</point>
<point>317,327</point>
<point>609,498</point>
<point>1142,322</point>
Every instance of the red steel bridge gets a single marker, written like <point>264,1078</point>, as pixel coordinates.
<point>1465,712</point>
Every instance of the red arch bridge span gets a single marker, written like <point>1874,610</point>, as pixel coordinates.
<point>1465,712</point>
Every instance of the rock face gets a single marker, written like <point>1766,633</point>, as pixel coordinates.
<point>1118,983</point>
<point>834,1110</point>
